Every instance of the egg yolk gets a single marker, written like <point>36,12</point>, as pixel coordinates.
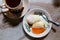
<point>38,30</point>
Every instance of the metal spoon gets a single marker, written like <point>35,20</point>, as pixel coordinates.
<point>46,18</point>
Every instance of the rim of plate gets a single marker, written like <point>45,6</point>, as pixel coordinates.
<point>35,35</point>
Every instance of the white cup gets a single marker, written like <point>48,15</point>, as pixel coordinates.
<point>19,6</point>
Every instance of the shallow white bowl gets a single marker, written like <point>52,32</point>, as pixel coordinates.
<point>29,31</point>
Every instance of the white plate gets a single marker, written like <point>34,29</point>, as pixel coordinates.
<point>28,31</point>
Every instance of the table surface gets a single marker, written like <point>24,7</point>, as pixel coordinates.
<point>8,32</point>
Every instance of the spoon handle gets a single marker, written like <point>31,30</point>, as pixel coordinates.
<point>55,23</point>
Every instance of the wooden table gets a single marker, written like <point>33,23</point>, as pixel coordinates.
<point>8,32</point>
